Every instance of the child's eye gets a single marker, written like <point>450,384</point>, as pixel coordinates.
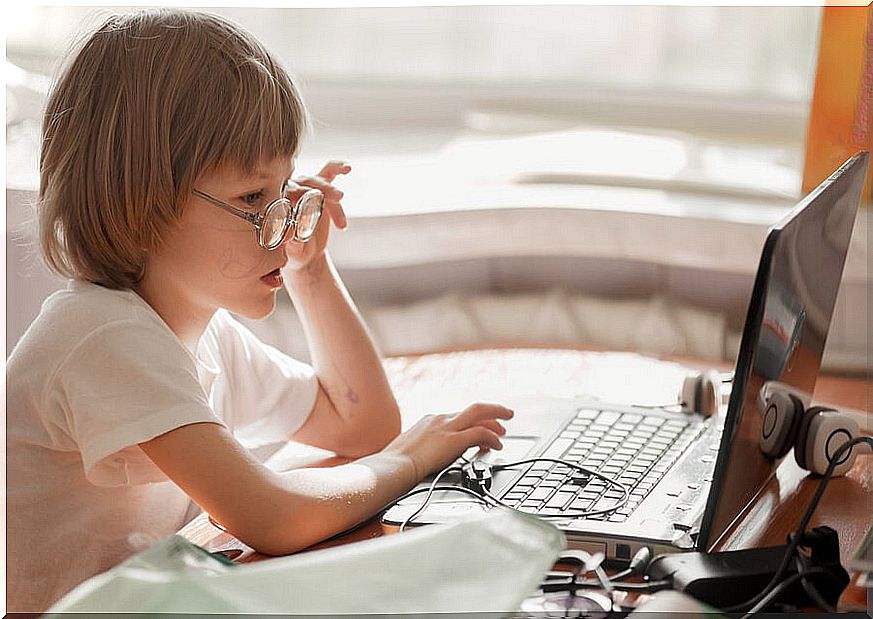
<point>253,199</point>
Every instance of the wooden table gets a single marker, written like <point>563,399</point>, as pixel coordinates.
<point>446,382</point>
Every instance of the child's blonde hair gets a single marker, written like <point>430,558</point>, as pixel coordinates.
<point>151,100</point>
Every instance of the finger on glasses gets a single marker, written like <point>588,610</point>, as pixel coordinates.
<point>301,185</point>
<point>332,169</point>
<point>337,214</point>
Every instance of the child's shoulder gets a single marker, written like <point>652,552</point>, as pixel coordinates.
<point>84,312</point>
<point>83,307</point>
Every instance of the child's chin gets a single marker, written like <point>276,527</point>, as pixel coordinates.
<point>256,311</point>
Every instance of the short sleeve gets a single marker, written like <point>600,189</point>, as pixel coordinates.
<point>126,383</point>
<point>265,395</point>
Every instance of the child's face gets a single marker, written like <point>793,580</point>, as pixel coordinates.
<point>213,259</point>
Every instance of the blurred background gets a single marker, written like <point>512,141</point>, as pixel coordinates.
<point>580,176</point>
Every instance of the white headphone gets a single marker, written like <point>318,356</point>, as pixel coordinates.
<point>815,433</point>
<point>701,393</point>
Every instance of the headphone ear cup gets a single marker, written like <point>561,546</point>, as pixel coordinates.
<point>710,394</point>
<point>701,393</point>
<point>688,394</point>
<point>803,431</point>
<point>819,438</point>
<point>780,423</point>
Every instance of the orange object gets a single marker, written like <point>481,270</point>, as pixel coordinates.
<point>840,116</point>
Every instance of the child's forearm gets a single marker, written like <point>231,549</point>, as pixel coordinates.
<point>343,354</point>
<point>325,501</point>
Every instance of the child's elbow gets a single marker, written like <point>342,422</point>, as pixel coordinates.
<point>378,436</point>
<point>277,538</point>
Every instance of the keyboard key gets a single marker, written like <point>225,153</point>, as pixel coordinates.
<point>560,499</point>
<point>604,503</point>
<point>557,448</point>
<point>540,494</point>
<point>608,417</point>
<point>587,413</point>
<point>581,504</point>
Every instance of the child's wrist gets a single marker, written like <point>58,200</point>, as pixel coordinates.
<point>312,272</point>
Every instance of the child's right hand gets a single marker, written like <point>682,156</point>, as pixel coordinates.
<point>437,440</point>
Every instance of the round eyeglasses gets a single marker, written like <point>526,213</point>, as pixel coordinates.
<point>273,223</point>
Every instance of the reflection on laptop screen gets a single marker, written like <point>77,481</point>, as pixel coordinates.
<point>784,337</point>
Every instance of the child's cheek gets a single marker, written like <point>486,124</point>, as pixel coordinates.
<point>234,263</point>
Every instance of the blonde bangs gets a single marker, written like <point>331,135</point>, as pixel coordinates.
<point>254,113</point>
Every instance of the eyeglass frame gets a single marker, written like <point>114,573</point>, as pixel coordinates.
<point>257,219</point>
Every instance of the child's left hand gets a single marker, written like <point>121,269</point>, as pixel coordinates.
<point>302,255</point>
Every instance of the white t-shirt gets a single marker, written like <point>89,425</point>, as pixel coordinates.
<point>97,372</point>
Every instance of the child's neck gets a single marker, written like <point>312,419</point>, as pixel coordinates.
<point>186,320</point>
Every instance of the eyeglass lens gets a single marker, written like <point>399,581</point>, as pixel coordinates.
<point>278,219</point>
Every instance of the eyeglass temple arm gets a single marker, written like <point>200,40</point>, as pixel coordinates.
<point>250,217</point>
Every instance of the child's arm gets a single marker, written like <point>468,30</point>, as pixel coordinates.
<point>280,513</point>
<point>355,413</point>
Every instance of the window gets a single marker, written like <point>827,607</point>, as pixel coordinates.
<point>409,86</point>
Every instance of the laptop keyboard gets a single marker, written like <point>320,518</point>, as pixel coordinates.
<point>633,449</point>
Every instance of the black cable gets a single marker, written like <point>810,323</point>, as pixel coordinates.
<point>638,563</point>
<point>781,587</point>
<point>794,540</point>
<point>811,589</point>
<point>430,492</point>
<point>484,495</point>
<point>579,514</point>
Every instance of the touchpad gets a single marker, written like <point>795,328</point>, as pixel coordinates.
<point>515,448</point>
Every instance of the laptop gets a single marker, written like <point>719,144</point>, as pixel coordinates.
<point>689,478</point>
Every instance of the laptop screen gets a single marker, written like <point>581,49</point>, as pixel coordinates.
<point>784,336</point>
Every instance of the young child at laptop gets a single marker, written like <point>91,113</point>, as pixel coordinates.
<point>168,140</point>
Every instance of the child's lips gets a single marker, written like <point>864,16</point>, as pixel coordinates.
<point>273,278</point>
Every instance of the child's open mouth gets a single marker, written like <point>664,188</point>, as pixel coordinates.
<point>273,279</point>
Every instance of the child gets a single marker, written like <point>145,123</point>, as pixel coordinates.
<point>168,139</point>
